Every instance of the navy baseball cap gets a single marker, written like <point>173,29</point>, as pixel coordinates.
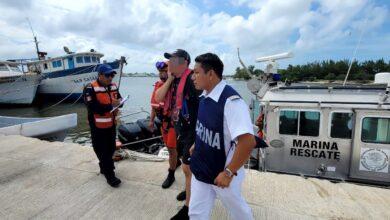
<point>179,53</point>
<point>105,69</point>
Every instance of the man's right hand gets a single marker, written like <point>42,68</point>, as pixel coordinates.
<point>171,77</point>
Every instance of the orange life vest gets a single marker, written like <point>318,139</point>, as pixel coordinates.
<point>260,121</point>
<point>180,88</point>
<point>156,105</point>
<point>104,95</point>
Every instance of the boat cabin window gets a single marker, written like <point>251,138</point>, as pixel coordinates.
<point>15,69</point>
<point>94,60</point>
<point>87,59</point>
<point>56,63</point>
<point>341,125</point>
<point>376,130</point>
<point>79,60</point>
<point>288,122</point>
<point>308,121</point>
<point>3,67</point>
<point>45,66</point>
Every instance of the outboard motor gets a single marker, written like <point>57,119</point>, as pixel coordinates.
<point>131,132</point>
<point>138,131</point>
<point>147,132</point>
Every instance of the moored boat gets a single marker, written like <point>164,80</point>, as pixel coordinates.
<point>339,132</point>
<point>51,128</point>
<point>17,87</point>
<point>65,76</point>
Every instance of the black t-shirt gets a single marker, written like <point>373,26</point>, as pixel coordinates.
<point>187,126</point>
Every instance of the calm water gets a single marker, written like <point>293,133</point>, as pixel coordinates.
<point>139,89</point>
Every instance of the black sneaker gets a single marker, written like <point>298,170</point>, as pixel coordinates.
<point>169,180</point>
<point>182,214</point>
<point>112,180</point>
<point>181,196</point>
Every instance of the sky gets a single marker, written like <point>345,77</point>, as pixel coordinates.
<point>313,30</point>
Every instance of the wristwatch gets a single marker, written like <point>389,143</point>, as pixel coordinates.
<point>229,173</point>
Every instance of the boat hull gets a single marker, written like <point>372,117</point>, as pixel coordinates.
<point>51,129</point>
<point>69,84</point>
<point>20,90</point>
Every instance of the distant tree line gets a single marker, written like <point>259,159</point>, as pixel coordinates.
<point>242,74</point>
<point>325,70</point>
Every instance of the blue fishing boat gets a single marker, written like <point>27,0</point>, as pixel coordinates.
<point>64,77</point>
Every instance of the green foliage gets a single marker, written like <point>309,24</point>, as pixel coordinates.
<point>325,70</point>
<point>242,74</point>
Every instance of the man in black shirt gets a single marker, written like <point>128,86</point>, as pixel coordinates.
<point>184,102</point>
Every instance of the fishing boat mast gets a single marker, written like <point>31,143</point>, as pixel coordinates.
<point>41,55</point>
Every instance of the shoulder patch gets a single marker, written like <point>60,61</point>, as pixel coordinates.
<point>233,97</point>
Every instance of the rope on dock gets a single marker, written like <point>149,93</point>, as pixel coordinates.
<point>134,113</point>
<point>140,141</point>
<point>134,155</point>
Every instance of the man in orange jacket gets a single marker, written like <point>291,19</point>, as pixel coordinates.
<point>101,97</point>
<point>167,129</point>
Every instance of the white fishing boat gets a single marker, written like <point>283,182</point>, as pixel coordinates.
<point>51,129</point>
<point>65,76</point>
<point>339,132</point>
<point>16,87</point>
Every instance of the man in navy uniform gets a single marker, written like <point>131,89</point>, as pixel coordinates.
<point>224,141</point>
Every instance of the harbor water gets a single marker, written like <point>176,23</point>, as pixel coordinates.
<point>138,88</point>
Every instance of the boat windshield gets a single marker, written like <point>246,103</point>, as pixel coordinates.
<point>15,69</point>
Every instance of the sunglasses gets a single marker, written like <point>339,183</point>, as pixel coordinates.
<point>110,75</point>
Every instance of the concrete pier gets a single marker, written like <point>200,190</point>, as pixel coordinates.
<point>43,180</point>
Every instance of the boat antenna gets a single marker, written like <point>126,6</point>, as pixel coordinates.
<point>35,39</point>
<point>354,55</point>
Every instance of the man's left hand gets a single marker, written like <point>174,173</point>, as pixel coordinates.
<point>223,180</point>
<point>116,102</point>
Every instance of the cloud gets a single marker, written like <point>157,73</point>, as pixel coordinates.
<point>143,30</point>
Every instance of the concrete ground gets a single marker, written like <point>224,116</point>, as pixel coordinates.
<point>43,180</point>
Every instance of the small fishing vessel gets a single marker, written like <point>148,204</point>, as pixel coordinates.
<point>50,129</point>
<point>340,132</point>
<point>64,77</point>
<point>17,87</point>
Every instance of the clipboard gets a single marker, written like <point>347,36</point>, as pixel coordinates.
<point>121,103</point>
